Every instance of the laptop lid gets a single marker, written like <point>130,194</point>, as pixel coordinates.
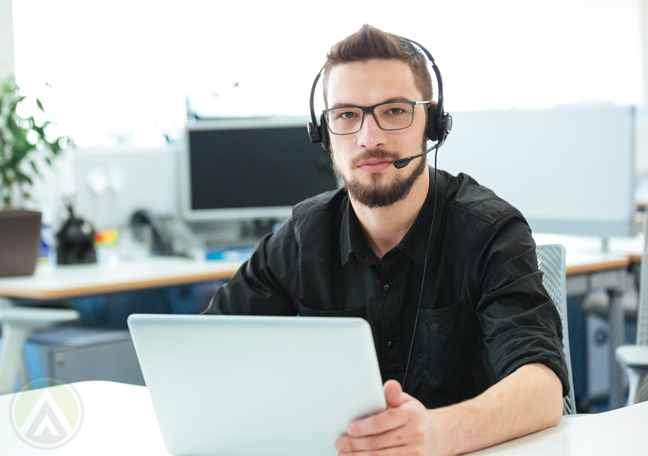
<point>233,385</point>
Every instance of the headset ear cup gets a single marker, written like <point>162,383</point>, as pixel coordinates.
<point>324,133</point>
<point>432,126</point>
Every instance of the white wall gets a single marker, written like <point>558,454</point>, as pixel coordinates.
<point>6,38</point>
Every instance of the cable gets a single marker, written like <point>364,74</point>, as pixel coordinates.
<point>427,253</point>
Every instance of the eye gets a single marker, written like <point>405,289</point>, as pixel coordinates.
<point>396,111</point>
<point>346,115</point>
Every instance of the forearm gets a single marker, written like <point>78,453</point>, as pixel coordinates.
<point>528,400</point>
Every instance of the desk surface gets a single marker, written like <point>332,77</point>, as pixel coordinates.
<point>583,256</point>
<point>631,247</point>
<point>119,419</point>
<point>588,262</point>
<point>82,280</point>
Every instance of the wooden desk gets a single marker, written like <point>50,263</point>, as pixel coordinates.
<point>579,263</point>
<point>82,280</point>
<point>119,419</point>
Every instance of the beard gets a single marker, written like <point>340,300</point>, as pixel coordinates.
<point>376,194</point>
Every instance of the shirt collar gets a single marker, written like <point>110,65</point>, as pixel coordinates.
<point>413,244</point>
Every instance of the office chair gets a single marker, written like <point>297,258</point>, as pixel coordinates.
<point>17,325</point>
<point>551,262</point>
<point>634,358</point>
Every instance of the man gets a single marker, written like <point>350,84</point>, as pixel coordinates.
<point>486,355</point>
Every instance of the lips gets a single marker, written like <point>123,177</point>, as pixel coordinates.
<point>373,162</point>
<point>374,166</point>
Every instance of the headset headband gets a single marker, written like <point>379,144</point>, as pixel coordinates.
<point>439,122</point>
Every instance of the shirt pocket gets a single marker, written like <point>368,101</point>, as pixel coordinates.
<point>443,336</point>
<point>304,311</point>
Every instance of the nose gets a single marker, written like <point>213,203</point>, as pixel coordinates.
<point>370,135</point>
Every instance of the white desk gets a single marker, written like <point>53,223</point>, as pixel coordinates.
<point>119,420</point>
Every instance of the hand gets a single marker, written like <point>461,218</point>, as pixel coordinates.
<point>405,428</point>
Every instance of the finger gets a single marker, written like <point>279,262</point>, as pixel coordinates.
<point>392,418</point>
<point>393,393</point>
<point>394,439</point>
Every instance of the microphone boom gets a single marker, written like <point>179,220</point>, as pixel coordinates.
<point>403,162</point>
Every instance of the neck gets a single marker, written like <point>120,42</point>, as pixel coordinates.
<point>385,227</point>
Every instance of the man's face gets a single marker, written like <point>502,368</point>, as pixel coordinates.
<point>364,160</point>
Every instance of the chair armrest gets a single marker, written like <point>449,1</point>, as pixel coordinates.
<point>633,357</point>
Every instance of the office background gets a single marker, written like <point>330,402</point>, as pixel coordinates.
<point>123,72</point>
<point>125,76</point>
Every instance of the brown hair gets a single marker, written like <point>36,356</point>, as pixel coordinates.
<point>372,43</point>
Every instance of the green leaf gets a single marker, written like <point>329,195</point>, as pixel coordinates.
<point>40,105</point>
<point>34,167</point>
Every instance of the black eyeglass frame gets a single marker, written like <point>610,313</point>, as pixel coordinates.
<point>370,110</point>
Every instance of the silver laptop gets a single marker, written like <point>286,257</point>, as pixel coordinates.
<point>262,386</point>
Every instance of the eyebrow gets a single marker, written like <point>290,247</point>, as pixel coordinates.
<point>389,100</point>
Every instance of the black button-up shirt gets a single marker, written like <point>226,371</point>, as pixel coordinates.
<point>483,312</point>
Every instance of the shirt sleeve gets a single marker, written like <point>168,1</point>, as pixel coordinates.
<point>260,286</point>
<point>521,324</point>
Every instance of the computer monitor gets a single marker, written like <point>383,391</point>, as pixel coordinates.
<point>251,168</point>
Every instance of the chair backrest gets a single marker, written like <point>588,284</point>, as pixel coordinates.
<point>642,312</point>
<point>551,262</point>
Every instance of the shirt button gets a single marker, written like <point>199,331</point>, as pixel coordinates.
<point>386,287</point>
<point>389,344</point>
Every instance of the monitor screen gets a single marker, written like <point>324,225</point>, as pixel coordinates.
<point>252,168</point>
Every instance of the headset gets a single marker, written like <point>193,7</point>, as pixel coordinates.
<point>439,122</point>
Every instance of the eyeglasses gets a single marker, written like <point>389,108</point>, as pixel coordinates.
<point>393,115</point>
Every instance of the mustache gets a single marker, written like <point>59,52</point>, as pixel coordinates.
<point>375,153</point>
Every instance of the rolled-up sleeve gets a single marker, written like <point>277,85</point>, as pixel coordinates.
<point>521,324</point>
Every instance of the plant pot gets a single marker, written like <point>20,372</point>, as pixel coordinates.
<point>20,233</point>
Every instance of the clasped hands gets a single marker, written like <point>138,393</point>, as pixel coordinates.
<point>405,428</point>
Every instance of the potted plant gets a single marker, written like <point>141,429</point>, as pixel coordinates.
<point>26,145</point>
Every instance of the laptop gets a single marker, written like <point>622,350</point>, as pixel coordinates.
<point>262,386</point>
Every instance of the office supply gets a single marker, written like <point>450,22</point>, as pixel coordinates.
<point>251,168</point>
<point>75,240</point>
<point>120,419</point>
<point>257,385</point>
<point>569,170</point>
